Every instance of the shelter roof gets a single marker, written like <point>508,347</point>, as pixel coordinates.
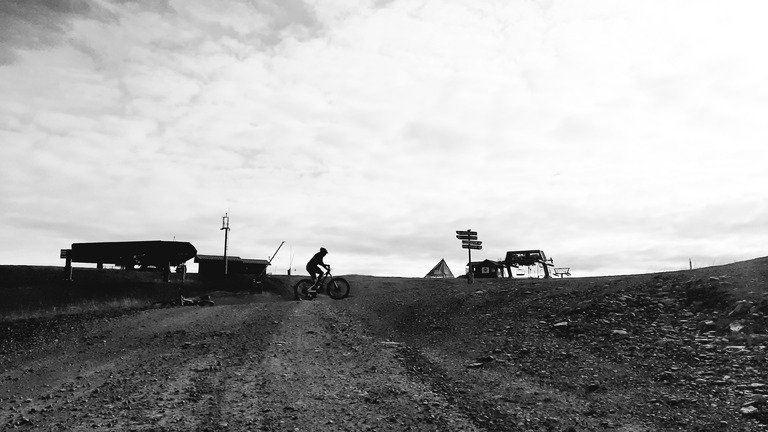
<point>199,258</point>
<point>489,262</point>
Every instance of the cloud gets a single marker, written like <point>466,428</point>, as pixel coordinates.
<point>35,24</point>
<point>610,135</point>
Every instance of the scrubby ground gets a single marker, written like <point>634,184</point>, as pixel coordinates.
<point>670,351</point>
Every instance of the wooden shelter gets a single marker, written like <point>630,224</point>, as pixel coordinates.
<point>487,269</point>
<point>213,265</point>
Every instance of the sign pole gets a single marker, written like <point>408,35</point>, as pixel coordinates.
<point>469,241</point>
<point>470,275</point>
<point>225,227</point>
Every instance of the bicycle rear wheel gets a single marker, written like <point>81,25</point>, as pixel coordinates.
<point>338,288</point>
<point>300,290</point>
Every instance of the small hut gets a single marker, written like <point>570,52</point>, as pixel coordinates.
<point>487,269</point>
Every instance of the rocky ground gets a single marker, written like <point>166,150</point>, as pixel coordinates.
<point>669,351</point>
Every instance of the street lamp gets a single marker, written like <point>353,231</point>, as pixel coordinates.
<point>225,227</point>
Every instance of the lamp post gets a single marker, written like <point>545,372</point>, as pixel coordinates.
<point>225,227</point>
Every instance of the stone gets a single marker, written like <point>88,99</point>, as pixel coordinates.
<point>390,344</point>
<point>742,307</point>
<point>749,411</point>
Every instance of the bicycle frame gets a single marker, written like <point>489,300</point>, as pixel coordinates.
<point>321,282</point>
<point>335,287</point>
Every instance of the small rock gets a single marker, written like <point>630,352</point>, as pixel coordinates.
<point>592,387</point>
<point>757,339</point>
<point>741,308</point>
<point>749,411</point>
<point>736,327</point>
<point>707,325</point>
<point>390,344</point>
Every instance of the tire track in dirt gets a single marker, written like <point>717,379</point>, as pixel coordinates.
<point>320,373</point>
<point>156,370</point>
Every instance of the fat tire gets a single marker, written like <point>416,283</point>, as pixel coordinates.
<point>299,287</point>
<point>338,288</point>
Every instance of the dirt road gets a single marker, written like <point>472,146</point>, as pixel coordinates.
<point>272,365</point>
<point>613,354</point>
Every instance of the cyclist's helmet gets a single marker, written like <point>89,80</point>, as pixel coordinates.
<point>323,250</point>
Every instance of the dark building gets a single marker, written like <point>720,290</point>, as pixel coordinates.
<point>133,254</point>
<point>487,269</point>
<point>213,265</point>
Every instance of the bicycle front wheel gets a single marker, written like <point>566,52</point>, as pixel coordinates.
<point>300,290</point>
<point>338,288</point>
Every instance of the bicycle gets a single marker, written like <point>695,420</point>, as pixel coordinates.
<point>337,288</point>
<point>204,300</point>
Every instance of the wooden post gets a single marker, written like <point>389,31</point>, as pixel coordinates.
<point>471,274</point>
<point>469,241</point>
<point>67,254</point>
<point>68,269</point>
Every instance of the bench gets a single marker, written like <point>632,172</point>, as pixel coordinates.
<point>562,271</point>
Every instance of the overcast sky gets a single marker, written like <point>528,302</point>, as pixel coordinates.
<point>618,136</point>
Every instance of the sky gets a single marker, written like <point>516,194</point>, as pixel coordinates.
<point>619,137</point>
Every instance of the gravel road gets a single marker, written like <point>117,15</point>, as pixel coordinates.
<point>266,364</point>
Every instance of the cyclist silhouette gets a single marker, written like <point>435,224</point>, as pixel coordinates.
<point>313,267</point>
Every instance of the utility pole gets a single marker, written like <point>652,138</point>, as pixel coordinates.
<point>225,227</point>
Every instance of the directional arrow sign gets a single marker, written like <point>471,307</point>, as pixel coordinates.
<point>469,241</point>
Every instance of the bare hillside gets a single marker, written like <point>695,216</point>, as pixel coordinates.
<point>670,351</point>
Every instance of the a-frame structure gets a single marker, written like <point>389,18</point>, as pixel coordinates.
<point>440,271</point>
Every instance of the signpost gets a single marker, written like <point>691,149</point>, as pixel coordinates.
<point>225,227</point>
<point>67,254</point>
<point>469,241</point>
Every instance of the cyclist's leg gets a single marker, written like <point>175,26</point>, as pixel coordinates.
<point>311,272</point>
<point>315,274</point>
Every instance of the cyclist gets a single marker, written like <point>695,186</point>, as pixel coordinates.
<point>313,267</point>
